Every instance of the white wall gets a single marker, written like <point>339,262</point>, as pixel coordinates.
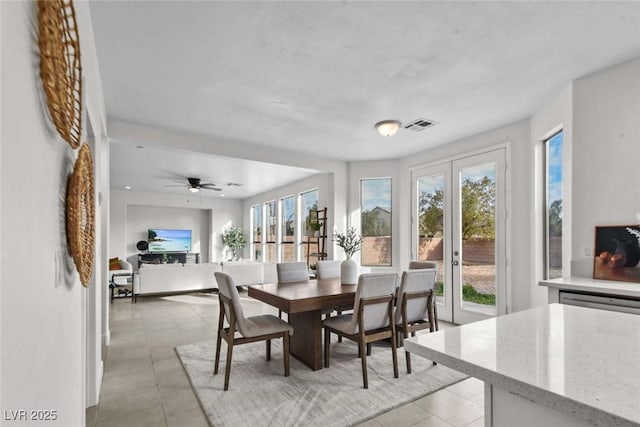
<point>606,152</point>
<point>122,241</point>
<point>43,349</point>
<point>557,114</point>
<point>141,218</point>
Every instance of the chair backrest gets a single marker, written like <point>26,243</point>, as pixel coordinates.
<point>373,285</point>
<point>292,272</point>
<point>227,287</point>
<point>415,281</point>
<point>420,265</point>
<point>328,269</point>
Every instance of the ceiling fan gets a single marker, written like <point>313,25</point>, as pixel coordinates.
<point>194,185</point>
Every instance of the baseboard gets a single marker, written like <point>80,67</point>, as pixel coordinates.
<point>106,338</point>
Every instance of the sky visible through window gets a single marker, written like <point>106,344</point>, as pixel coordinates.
<point>376,193</point>
<point>476,173</point>
<point>555,167</point>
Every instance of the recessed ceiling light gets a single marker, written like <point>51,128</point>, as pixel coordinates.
<point>127,187</point>
<point>221,195</point>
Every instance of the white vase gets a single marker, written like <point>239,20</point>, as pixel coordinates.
<point>349,272</point>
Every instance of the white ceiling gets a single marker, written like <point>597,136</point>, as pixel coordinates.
<point>151,170</point>
<point>315,76</point>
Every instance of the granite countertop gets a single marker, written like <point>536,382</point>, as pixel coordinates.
<point>586,284</point>
<point>580,361</point>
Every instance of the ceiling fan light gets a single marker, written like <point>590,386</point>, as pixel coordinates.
<point>194,189</point>
<point>388,127</point>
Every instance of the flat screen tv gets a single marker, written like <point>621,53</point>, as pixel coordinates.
<point>165,240</point>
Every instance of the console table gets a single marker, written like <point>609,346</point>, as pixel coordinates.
<point>181,257</point>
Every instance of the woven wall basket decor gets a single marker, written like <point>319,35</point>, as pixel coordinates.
<point>81,214</point>
<point>60,67</point>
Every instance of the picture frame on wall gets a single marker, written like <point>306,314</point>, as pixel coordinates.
<point>617,253</point>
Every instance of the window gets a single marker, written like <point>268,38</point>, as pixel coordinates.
<point>288,228</point>
<point>553,207</point>
<point>308,201</point>
<point>375,205</point>
<point>270,244</point>
<point>256,231</point>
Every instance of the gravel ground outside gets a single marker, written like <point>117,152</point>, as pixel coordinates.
<point>481,277</point>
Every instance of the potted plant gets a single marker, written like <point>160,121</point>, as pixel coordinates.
<point>233,237</point>
<point>350,242</point>
<point>314,228</point>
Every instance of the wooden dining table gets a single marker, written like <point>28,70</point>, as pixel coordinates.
<point>304,302</point>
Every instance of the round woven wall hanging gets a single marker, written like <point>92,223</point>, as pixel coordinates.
<point>60,67</point>
<point>81,214</point>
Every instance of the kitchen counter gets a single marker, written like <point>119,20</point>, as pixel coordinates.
<point>552,365</point>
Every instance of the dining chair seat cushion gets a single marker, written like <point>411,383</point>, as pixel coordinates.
<point>264,325</point>
<point>343,323</point>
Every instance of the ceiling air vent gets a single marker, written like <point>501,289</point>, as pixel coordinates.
<point>419,125</point>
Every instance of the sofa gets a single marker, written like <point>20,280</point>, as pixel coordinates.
<point>174,278</point>
<point>245,273</point>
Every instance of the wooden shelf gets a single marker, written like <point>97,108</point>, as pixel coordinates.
<point>320,241</point>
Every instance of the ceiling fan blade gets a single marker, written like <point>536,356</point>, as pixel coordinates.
<point>208,184</point>
<point>174,185</point>
<point>212,188</point>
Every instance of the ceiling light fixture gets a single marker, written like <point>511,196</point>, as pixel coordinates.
<point>388,127</point>
<point>194,189</point>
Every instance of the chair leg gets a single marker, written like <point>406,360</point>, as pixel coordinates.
<point>228,369</point>
<point>327,346</point>
<point>394,354</point>
<point>218,343</point>
<point>363,358</point>
<point>407,355</point>
<point>285,350</point>
<point>268,350</point>
<point>368,349</point>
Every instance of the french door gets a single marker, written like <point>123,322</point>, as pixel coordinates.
<point>459,223</point>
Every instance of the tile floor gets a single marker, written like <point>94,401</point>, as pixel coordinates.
<point>144,383</point>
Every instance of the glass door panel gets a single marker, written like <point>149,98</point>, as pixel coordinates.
<point>478,236</point>
<point>431,221</point>
<point>477,257</point>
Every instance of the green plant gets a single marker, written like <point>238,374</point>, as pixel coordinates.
<point>470,294</point>
<point>233,237</point>
<point>314,225</point>
<point>350,242</point>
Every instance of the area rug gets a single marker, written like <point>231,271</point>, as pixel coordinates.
<point>260,395</point>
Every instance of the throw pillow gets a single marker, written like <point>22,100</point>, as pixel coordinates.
<point>114,264</point>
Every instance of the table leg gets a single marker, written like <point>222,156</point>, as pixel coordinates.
<point>306,341</point>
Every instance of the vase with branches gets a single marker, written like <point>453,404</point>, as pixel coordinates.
<point>233,238</point>
<point>350,242</point>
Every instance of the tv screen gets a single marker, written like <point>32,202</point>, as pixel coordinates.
<point>164,240</point>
